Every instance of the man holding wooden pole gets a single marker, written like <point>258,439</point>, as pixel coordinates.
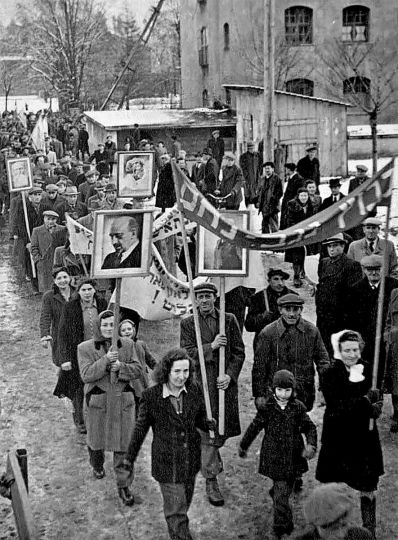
<point>212,341</point>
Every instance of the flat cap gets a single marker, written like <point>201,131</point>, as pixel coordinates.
<point>290,299</point>
<point>372,261</point>
<point>372,221</point>
<point>92,173</point>
<point>70,190</point>
<point>311,147</point>
<point>337,238</point>
<point>335,182</point>
<point>362,168</point>
<point>207,151</point>
<point>205,287</point>
<point>62,181</point>
<point>277,272</point>
<point>51,187</point>
<point>50,213</point>
<point>283,379</point>
<point>94,205</point>
<point>110,187</point>
<point>327,504</point>
<point>35,189</point>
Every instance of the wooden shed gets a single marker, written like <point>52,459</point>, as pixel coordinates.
<point>300,120</point>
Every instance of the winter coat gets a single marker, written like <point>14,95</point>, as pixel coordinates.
<point>217,148</point>
<point>258,316</point>
<point>251,165</point>
<point>361,315</point>
<point>51,309</point>
<point>270,193</point>
<point>79,210</point>
<point>209,177</point>
<point>110,407</point>
<point>309,169</point>
<point>297,349</point>
<point>360,248</point>
<point>176,441</point>
<point>296,214</point>
<point>391,340</point>
<point>234,358</point>
<point>43,247</point>
<point>110,151</point>
<point>231,183</point>
<point>101,162</point>
<point>350,451</point>
<point>282,446</point>
<point>165,194</point>
<point>17,219</point>
<point>146,360</point>
<point>328,202</point>
<point>293,184</point>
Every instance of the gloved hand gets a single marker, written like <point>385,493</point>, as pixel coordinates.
<point>260,402</point>
<point>242,453</point>
<point>377,409</point>
<point>309,451</point>
<point>373,395</point>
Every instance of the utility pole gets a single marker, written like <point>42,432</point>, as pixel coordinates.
<point>269,78</point>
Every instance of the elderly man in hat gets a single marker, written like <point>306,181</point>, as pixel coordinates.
<point>263,307</point>
<point>208,182</point>
<point>294,182</point>
<point>361,308</point>
<point>308,167</point>
<point>99,195</point>
<point>71,206</point>
<point>216,145</point>
<point>50,199</point>
<point>44,240</point>
<point>231,183</point>
<point>212,340</point>
<point>251,163</point>
<point>111,202</point>
<point>336,274</point>
<point>360,177</point>
<point>373,244</point>
<point>84,188</point>
<point>336,196</point>
<point>270,194</point>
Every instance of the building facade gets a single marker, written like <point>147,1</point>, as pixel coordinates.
<point>222,44</point>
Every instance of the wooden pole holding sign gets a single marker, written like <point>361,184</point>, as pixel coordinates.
<point>116,319</point>
<point>221,365</point>
<point>194,307</point>
<point>25,211</point>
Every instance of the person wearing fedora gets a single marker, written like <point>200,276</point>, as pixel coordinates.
<point>337,273</point>
<point>336,196</point>
<point>111,202</point>
<point>308,167</point>
<point>263,307</point>
<point>373,244</point>
<point>71,206</point>
<point>212,340</point>
<point>216,145</point>
<point>294,182</point>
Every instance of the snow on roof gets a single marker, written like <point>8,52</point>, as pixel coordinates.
<point>386,130</point>
<point>158,118</point>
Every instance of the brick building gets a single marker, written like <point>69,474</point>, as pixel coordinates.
<point>222,43</point>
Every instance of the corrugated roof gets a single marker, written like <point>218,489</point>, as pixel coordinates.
<point>282,92</point>
<point>158,118</point>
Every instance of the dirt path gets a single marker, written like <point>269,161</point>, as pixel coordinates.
<point>70,505</point>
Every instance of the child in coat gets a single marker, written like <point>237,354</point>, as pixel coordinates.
<point>283,455</point>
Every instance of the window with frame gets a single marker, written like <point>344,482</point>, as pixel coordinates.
<point>300,86</point>
<point>298,25</point>
<point>203,48</point>
<point>226,37</point>
<point>355,24</point>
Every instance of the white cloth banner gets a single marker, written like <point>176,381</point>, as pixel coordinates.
<point>168,224</point>
<point>39,132</point>
<point>81,239</point>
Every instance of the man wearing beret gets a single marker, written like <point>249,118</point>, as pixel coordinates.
<point>361,309</point>
<point>263,307</point>
<point>308,167</point>
<point>43,243</point>
<point>336,274</point>
<point>372,244</point>
<point>212,340</point>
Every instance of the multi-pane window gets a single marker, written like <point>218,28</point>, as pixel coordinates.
<point>298,25</point>
<point>355,23</point>
<point>300,86</point>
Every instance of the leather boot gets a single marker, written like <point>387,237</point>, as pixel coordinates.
<point>368,513</point>
<point>213,492</point>
<point>126,496</point>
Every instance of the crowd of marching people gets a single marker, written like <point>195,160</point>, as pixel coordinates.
<point>120,392</point>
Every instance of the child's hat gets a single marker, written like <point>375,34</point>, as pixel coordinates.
<point>283,379</point>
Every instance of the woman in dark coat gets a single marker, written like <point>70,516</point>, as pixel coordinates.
<point>298,209</point>
<point>52,305</point>
<point>79,322</point>
<point>351,451</point>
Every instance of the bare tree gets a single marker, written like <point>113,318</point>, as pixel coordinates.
<point>364,74</point>
<point>7,74</point>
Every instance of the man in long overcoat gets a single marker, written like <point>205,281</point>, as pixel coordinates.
<point>270,194</point>
<point>43,243</point>
<point>391,339</point>
<point>231,183</point>
<point>251,164</point>
<point>308,166</point>
<point>212,340</point>
<point>336,274</point>
<point>110,404</point>
<point>294,182</point>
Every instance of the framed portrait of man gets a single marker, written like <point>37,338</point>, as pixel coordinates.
<point>135,174</point>
<point>19,174</point>
<point>122,243</point>
<point>218,257</point>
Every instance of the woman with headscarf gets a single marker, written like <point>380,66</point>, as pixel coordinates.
<point>351,450</point>
<point>79,322</point>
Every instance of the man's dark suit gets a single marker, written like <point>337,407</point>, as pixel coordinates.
<point>326,203</point>
<point>132,261</point>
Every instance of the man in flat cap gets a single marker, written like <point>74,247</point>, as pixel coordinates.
<point>294,182</point>
<point>308,167</point>
<point>71,206</point>
<point>231,183</point>
<point>336,274</point>
<point>212,340</point>
<point>373,244</point>
<point>251,163</point>
<point>216,145</point>
<point>270,194</point>
<point>50,199</point>
<point>360,177</point>
<point>263,307</point>
<point>111,202</point>
<point>336,196</point>
<point>84,188</point>
<point>44,240</point>
<point>361,309</point>
<point>209,175</point>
